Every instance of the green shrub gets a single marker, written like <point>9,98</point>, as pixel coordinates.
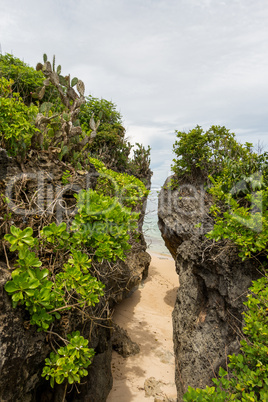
<point>103,225</point>
<point>238,180</point>
<point>129,190</point>
<point>70,362</point>
<point>26,80</point>
<point>44,293</point>
<point>241,204</point>
<point>103,110</point>
<point>110,147</point>
<point>246,226</point>
<point>140,163</point>
<point>16,122</point>
<point>200,154</point>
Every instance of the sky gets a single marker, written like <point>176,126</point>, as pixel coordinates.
<point>167,65</point>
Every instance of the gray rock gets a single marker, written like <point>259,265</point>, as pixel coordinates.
<point>122,343</point>
<point>207,318</point>
<point>23,350</point>
<point>4,160</point>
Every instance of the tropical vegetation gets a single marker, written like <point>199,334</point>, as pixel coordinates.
<point>237,178</point>
<point>54,266</point>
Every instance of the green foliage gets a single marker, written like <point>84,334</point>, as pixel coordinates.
<point>102,224</point>
<point>140,163</point>
<point>238,181</point>
<point>30,285</point>
<point>16,122</point>
<point>129,190</point>
<point>70,362</point>
<point>53,273</point>
<point>199,153</point>
<point>109,144</point>
<point>245,226</point>
<point>25,79</point>
<point>110,147</point>
<point>56,234</point>
<point>42,294</point>
<point>73,279</point>
<point>63,118</point>
<point>104,110</point>
<point>247,375</point>
<point>241,204</point>
<point>20,238</point>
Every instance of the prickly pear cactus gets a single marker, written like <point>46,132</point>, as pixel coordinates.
<point>70,98</point>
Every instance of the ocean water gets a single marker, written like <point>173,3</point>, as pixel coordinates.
<point>152,234</point>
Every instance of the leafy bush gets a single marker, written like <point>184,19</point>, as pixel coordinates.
<point>16,122</point>
<point>109,144</point>
<point>238,181</point>
<point>103,225</point>
<point>200,154</point>
<point>110,147</point>
<point>103,110</point>
<point>241,204</point>
<point>70,362</point>
<point>129,190</point>
<point>140,163</point>
<point>25,79</point>
<point>246,226</point>
<point>43,294</point>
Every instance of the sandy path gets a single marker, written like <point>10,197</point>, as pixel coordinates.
<point>146,315</point>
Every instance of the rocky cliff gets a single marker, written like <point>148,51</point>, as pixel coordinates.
<point>22,349</point>
<point>207,317</point>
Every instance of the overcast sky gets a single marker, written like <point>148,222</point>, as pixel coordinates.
<point>167,65</point>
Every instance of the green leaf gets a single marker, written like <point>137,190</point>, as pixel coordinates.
<point>11,287</point>
<point>74,81</point>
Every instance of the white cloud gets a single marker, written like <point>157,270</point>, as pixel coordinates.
<point>166,64</point>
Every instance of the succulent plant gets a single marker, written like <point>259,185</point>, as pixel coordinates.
<point>80,87</point>
<point>70,98</point>
<point>74,81</point>
<point>94,126</point>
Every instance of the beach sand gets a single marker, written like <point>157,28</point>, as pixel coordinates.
<point>146,315</point>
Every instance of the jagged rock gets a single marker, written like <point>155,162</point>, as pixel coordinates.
<point>3,163</point>
<point>179,210</point>
<point>122,343</point>
<point>207,318</point>
<point>22,349</point>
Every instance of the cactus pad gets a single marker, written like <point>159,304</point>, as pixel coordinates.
<point>74,81</point>
<point>39,66</point>
<point>80,87</point>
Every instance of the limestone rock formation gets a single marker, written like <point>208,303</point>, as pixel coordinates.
<point>22,349</point>
<point>207,317</point>
<point>122,343</point>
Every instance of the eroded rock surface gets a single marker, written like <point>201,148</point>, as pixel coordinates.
<point>207,318</point>
<point>22,349</point>
<point>122,343</point>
